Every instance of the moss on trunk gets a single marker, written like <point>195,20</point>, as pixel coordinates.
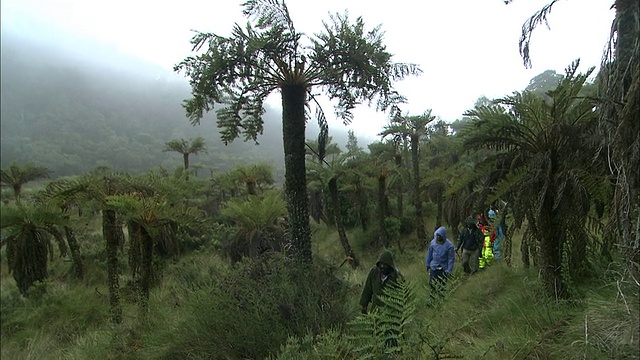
<point>293,134</point>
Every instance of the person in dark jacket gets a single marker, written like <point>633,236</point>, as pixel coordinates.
<point>470,241</point>
<point>440,258</point>
<point>382,274</point>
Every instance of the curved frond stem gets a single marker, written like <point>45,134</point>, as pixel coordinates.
<point>528,27</point>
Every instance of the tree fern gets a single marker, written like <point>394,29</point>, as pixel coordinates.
<point>29,241</point>
<point>256,212</point>
<point>545,153</point>
<point>17,175</point>
<point>258,222</point>
<point>350,64</point>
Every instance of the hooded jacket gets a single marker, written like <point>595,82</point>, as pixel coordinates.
<point>440,255</point>
<point>376,281</point>
<point>470,238</point>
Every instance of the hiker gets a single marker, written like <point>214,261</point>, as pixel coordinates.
<point>383,273</point>
<point>440,259</point>
<point>497,236</point>
<point>486,252</point>
<point>470,240</point>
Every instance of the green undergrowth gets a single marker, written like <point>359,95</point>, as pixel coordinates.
<point>205,308</point>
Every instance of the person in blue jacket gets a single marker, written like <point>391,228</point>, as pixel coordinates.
<point>498,235</point>
<point>440,259</point>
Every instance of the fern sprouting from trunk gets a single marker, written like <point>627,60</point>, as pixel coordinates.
<point>382,332</point>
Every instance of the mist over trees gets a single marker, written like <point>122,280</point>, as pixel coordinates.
<point>72,114</point>
<point>73,105</point>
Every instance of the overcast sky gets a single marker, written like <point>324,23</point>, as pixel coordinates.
<point>466,48</point>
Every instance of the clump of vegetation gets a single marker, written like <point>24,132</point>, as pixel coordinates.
<point>250,310</point>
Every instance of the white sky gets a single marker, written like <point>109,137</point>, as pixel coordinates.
<point>466,48</point>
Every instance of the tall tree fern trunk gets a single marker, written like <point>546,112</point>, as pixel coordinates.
<point>415,158</point>
<point>76,256</point>
<point>382,208</point>
<point>507,237</point>
<point>620,112</point>
<point>135,252</point>
<point>524,250</point>
<point>147,270</point>
<point>293,133</point>
<point>110,233</point>
<point>398,162</point>
<point>552,235</point>
<point>344,241</point>
<point>577,253</point>
<point>251,187</point>
<point>185,159</point>
<point>17,189</point>
<point>439,202</point>
<point>363,212</point>
<point>315,205</point>
<point>628,25</point>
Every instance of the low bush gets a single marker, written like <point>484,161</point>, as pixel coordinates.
<point>252,310</point>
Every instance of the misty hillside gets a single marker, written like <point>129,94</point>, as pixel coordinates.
<point>71,111</point>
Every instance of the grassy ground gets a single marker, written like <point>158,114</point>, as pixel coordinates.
<point>499,313</point>
<point>502,313</point>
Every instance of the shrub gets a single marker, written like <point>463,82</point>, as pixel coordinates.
<point>385,333</point>
<point>392,226</point>
<point>252,310</point>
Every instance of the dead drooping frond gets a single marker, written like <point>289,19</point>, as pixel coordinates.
<point>528,27</point>
<point>28,241</point>
<point>255,242</point>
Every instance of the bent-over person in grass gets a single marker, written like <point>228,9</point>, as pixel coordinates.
<point>382,274</point>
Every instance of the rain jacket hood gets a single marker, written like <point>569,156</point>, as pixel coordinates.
<point>470,221</point>
<point>442,231</point>
<point>376,281</point>
<point>387,258</point>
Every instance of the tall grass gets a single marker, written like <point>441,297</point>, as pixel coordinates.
<point>206,309</point>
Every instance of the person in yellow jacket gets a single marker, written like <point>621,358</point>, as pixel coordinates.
<point>486,254</point>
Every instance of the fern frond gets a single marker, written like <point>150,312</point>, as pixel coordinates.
<point>384,330</point>
<point>256,212</point>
